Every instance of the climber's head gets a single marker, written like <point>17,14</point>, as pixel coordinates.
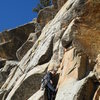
<point>53,71</point>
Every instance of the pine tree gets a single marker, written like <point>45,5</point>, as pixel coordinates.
<point>41,5</point>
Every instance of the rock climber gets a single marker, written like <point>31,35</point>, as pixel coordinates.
<point>48,84</point>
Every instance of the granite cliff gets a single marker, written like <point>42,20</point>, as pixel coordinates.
<point>65,35</point>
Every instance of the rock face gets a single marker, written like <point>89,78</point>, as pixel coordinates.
<point>11,40</point>
<point>26,46</point>
<point>30,83</point>
<point>97,94</point>
<point>66,36</point>
<point>73,90</point>
<point>60,3</point>
<point>5,71</point>
<point>46,14</point>
<point>74,65</point>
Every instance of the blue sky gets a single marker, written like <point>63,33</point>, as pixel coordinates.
<point>16,12</point>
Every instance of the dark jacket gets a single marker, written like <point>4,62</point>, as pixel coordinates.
<point>49,84</point>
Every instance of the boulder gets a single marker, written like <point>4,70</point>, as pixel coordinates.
<point>77,90</point>
<point>68,35</point>
<point>11,40</point>
<point>74,65</point>
<point>45,15</point>
<point>26,46</point>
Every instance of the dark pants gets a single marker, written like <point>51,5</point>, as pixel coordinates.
<point>50,91</point>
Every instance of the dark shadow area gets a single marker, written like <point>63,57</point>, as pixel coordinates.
<point>90,65</point>
<point>2,63</point>
<point>47,56</point>
<point>66,44</point>
<point>28,87</point>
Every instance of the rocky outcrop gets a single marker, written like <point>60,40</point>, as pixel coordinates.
<point>5,71</point>
<point>26,46</point>
<point>46,14</point>
<point>27,84</point>
<point>11,40</point>
<point>69,42</point>
<point>9,65</point>
<point>60,3</point>
<point>74,65</point>
<point>73,90</point>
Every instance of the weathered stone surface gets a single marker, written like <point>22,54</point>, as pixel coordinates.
<point>27,84</point>
<point>38,27</point>
<point>5,71</point>
<point>39,95</point>
<point>74,65</point>
<point>88,29</point>
<point>26,61</point>
<point>45,15</point>
<point>11,40</point>
<point>85,30</point>
<point>77,90</point>
<point>60,3</point>
<point>68,35</point>
<point>97,94</point>
<point>57,56</point>
<point>26,46</point>
<point>3,77</point>
<point>3,88</point>
<point>9,65</point>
